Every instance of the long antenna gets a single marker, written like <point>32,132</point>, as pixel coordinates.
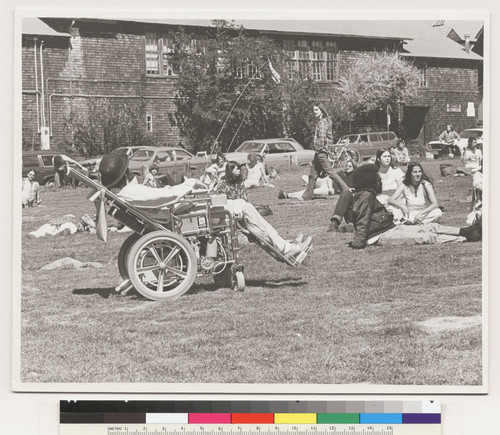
<point>243,119</point>
<point>235,103</point>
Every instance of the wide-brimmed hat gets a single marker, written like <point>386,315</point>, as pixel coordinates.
<point>112,168</point>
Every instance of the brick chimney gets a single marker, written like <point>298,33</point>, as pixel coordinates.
<point>467,42</point>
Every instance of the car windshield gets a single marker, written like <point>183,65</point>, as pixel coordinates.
<point>248,147</point>
<point>466,134</point>
<point>142,155</point>
<point>351,138</point>
<point>120,151</point>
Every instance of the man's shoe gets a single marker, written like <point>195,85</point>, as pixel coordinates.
<point>334,227</point>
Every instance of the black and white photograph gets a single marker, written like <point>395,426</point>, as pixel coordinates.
<point>251,203</point>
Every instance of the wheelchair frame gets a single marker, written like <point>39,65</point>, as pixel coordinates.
<point>162,259</point>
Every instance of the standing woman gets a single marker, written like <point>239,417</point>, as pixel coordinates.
<point>419,205</point>
<point>391,177</point>
<point>323,137</point>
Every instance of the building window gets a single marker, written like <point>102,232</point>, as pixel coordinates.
<point>159,55</point>
<point>450,107</point>
<point>423,76</point>
<point>149,122</point>
<point>317,60</point>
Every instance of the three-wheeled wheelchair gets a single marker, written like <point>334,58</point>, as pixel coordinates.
<point>196,236</point>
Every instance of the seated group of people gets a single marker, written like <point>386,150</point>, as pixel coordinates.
<point>388,207</point>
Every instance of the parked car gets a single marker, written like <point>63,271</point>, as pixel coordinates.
<point>175,161</point>
<point>129,151</point>
<point>367,144</point>
<point>476,133</point>
<point>436,146</point>
<point>285,150</point>
<point>42,163</point>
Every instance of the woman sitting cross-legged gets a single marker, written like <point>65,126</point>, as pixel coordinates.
<point>115,175</point>
<point>419,205</point>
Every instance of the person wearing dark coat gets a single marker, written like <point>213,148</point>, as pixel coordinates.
<point>373,224</point>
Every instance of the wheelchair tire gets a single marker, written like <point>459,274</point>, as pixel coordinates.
<point>238,281</point>
<point>161,265</point>
<point>123,254</point>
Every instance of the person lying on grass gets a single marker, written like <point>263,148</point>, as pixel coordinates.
<point>419,203</point>
<point>374,224</point>
<point>115,175</point>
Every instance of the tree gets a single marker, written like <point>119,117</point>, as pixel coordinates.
<point>376,81</point>
<point>105,126</point>
<point>227,92</point>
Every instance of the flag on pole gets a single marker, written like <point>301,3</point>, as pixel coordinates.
<point>274,73</point>
<point>102,225</point>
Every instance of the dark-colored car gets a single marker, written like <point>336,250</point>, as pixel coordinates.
<point>41,163</point>
<point>367,144</point>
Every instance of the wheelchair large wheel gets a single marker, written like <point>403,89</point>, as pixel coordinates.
<point>162,265</point>
<point>123,254</point>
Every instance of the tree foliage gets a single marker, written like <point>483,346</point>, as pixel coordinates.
<point>227,93</point>
<point>105,126</point>
<point>374,81</point>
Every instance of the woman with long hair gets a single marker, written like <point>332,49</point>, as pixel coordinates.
<point>419,204</point>
<point>232,183</point>
<point>391,177</point>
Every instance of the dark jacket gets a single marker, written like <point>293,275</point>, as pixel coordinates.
<point>369,217</point>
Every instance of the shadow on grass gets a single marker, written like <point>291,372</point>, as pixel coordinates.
<point>104,293</point>
<point>277,283</point>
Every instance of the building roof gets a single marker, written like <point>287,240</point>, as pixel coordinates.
<point>420,38</point>
<point>432,42</point>
<point>36,27</point>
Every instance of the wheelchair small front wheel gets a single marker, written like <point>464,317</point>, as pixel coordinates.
<point>162,265</point>
<point>238,281</point>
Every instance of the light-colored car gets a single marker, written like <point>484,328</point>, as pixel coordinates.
<point>129,151</point>
<point>476,133</point>
<point>286,150</point>
<point>175,161</point>
<point>436,146</point>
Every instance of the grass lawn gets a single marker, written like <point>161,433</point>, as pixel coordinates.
<point>344,317</point>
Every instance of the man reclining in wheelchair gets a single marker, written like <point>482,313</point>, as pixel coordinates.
<point>202,228</point>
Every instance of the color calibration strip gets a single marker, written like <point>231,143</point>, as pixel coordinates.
<point>249,418</point>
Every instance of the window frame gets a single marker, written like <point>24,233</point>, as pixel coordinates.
<point>423,80</point>
<point>315,59</point>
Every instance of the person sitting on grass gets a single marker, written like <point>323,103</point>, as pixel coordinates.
<point>116,176</point>
<point>419,204</point>
<point>323,187</point>
<point>374,224</point>
<point>30,195</point>
<point>151,179</point>
<point>232,184</point>
<point>472,159</point>
<point>391,177</point>
<point>214,172</point>
<point>255,172</point>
